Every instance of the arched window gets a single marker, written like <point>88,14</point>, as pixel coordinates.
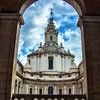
<point>50,90</point>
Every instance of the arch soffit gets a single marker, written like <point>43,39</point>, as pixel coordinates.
<point>77,4</point>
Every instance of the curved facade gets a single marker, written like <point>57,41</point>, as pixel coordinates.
<point>51,69</point>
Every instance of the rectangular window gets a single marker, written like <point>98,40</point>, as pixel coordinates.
<point>30,90</point>
<point>60,91</point>
<point>60,76</point>
<point>69,75</point>
<point>40,91</point>
<point>50,63</point>
<point>70,91</point>
<point>51,38</point>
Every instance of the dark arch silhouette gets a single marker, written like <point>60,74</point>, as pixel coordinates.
<point>78,6</point>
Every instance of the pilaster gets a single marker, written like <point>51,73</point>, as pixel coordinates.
<point>45,89</point>
<point>73,89</point>
<point>65,88</point>
<point>36,89</point>
<point>90,29</point>
<point>9,36</point>
<point>55,90</point>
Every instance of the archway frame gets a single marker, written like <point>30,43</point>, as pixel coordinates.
<point>90,27</point>
<point>77,4</point>
<point>14,21</point>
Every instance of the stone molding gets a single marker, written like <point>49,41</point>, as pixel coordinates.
<point>13,17</point>
<point>88,19</point>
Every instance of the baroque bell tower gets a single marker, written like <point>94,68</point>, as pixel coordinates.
<point>51,34</point>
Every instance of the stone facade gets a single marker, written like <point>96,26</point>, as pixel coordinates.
<point>28,82</point>
<point>9,26</point>
<point>50,69</point>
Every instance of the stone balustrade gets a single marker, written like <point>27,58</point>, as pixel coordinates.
<point>47,97</point>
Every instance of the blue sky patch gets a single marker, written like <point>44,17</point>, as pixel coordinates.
<point>36,18</point>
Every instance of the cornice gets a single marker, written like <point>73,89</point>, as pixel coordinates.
<point>13,17</point>
<point>88,19</point>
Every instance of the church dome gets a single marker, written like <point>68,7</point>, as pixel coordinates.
<point>51,42</point>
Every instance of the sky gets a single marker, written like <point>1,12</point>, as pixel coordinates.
<point>36,18</point>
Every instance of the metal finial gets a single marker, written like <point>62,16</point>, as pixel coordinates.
<point>51,12</point>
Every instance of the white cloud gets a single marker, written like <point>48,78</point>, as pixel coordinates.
<point>23,59</point>
<point>36,19</point>
<point>74,44</point>
<point>60,40</point>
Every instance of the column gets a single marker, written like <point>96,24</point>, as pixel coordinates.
<point>73,89</point>
<point>83,88</point>
<point>54,62</point>
<point>36,89</point>
<point>21,88</point>
<point>39,62</point>
<point>65,90</point>
<point>45,89</point>
<point>46,63</point>
<point>63,63</point>
<point>55,89</point>
<point>26,89</point>
<point>9,37</point>
<point>16,87</point>
<point>90,28</point>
